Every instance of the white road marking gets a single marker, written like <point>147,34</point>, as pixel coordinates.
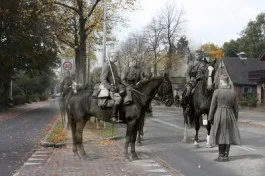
<point>147,164</point>
<point>42,152</point>
<point>246,148</point>
<point>156,170</point>
<point>35,159</point>
<point>29,163</point>
<point>34,155</point>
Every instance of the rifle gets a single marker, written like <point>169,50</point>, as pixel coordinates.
<point>112,74</point>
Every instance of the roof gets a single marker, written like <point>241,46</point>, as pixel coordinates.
<point>238,69</point>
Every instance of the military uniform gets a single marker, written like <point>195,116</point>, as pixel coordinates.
<point>116,89</point>
<point>67,82</point>
<point>133,75</point>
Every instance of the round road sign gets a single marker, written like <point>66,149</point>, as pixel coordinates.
<point>67,65</point>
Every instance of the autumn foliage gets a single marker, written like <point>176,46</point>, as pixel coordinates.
<point>213,51</point>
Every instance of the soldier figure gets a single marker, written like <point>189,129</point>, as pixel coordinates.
<point>111,80</point>
<point>196,71</point>
<point>66,83</point>
<point>133,75</point>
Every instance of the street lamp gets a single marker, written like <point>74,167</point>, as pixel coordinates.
<point>104,33</point>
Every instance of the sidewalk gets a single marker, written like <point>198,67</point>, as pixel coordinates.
<point>105,156</point>
<point>105,159</point>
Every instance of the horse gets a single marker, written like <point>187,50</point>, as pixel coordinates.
<point>82,106</point>
<point>200,104</point>
<point>67,89</point>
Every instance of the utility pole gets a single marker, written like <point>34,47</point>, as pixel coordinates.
<point>104,33</point>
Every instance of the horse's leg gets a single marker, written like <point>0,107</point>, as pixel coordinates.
<point>73,130</point>
<point>133,139</point>
<point>208,127</point>
<point>126,146</point>
<point>97,123</point>
<point>140,131</point>
<point>197,128</point>
<point>79,137</point>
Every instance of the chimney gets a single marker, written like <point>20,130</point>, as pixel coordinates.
<point>242,55</point>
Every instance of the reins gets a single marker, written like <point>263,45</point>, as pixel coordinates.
<point>139,99</point>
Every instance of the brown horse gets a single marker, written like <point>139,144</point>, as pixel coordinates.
<point>82,105</point>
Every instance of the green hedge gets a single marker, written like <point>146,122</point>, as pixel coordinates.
<point>248,99</point>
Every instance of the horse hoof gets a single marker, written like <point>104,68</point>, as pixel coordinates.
<point>127,159</point>
<point>139,143</point>
<point>209,146</point>
<point>196,144</point>
<point>135,157</point>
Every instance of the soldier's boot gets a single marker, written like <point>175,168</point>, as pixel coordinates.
<point>114,115</point>
<point>221,148</point>
<point>227,149</point>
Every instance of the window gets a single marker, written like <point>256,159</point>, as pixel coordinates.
<point>247,89</point>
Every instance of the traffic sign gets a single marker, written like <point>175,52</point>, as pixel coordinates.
<point>67,65</point>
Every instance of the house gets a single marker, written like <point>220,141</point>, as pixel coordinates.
<point>245,74</point>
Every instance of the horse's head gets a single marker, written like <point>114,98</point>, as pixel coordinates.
<point>212,68</point>
<point>146,90</point>
<point>165,92</point>
<point>209,76</point>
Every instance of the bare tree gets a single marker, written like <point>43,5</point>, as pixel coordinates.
<point>172,22</point>
<point>153,36</point>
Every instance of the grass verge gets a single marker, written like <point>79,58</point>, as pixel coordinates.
<point>58,134</point>
<point>104,132</point>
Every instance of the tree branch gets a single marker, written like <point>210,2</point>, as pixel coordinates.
<point>93,8</point>
<point>67,6</point>
<point>70,44</point>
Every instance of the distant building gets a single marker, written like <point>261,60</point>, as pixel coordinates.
<point>245,74</point>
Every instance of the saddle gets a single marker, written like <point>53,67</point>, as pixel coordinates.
<point>104,99</point>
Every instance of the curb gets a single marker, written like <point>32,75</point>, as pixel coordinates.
<point>44,142</point>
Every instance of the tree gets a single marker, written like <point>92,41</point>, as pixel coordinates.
<point>154,36</point>
<point>213,51</point>
<point>84,19</point>
<point>231,48</point>
<point>172,22</point>
<point>27,43</point>
<point>182,46</point>
<point>251,40</point>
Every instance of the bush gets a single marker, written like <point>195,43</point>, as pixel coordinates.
<point>43,97</point>
<point>19,99</point>
<point>34,97</point>
<point>249,99</point>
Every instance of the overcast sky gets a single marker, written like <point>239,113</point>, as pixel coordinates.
<point>215,21</point>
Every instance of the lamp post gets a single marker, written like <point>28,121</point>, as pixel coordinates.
<point>104,33</point>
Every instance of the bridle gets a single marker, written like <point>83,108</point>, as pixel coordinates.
<point>161,98</point>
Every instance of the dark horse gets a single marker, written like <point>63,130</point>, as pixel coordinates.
<point>200,103</point>
<point>82,105</point>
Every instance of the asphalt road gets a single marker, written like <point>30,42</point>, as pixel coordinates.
<point>21,135</point>
<point>164,134</point>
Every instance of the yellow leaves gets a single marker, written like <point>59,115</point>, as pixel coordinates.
<point>212,50</point>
